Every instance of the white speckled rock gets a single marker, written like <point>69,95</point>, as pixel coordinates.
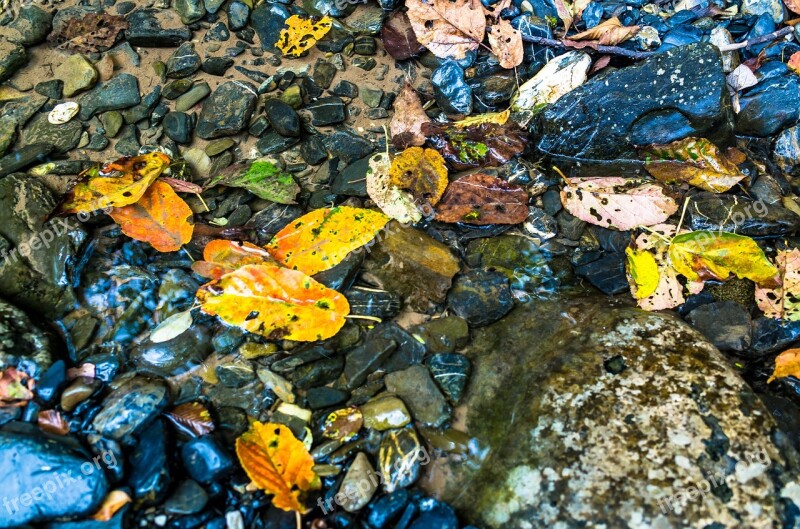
<point>594,414</point>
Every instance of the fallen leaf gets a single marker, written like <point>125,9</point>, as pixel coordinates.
<point>786,364</point>
<point>506,43</point>
<point>643,269</point>
<point>263,178</point>
<point>564,11</point>
<point>115,184</point>
<point>89,32</point>
<point>321,239</point>
<point>406,125</point>
<point>695,161</point>
<point>448,28</point>
<point>783,301</point>
<point>192,418</point>
<point>608,33</point>
<point>171,327</point>
<point>499,118</point>
<point>394,202</point>
<point>278,463</point>
<point>482,145</point>
<point>422,172</point>
<point>793,5</point>
<point>182,186</point>
<point>704,255</point>
<point>301,33</point>
<point>16,387</point>
<point>275,302</point>
<point>616,202</point>
<point>113,502</point>
<point>794,62</point>
<point>743,77</point>
<point>222,256</point>
<point>52,422</point>
<point>483,199</point>
<point>399,38</point>
<point>653,282</point>
<point>160,217</point>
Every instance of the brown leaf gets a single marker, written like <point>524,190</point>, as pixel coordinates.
<point>506,43</point>
<point>449,29</point>
<point>192,417</point>
<point>483,199</point>
<point>89,33</point>
<point>793,5</point>
<point>408,118</point>
<point>112,503</point>
<point>481,145</point>
<point>399,38</point>
<point>420,171</point>
<point>564,11</point>
<point>599,64</point>
<point>610,33</point>
<point>52,422</point>
<point>182,186</point>
<point>16,387</point>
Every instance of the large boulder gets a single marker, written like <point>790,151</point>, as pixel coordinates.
<point>591,413</point>
<point>676,94</point>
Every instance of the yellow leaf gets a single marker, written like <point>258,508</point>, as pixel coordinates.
<point>395,202</point>
<point>668,291</point>
<point>115,184</point>
<point>275,302</point>
<point>423,172</point>
<point>278,463</point>
<point>321,239</point>
<point>703,255</point>
<point>786,364</point>
<point>499,118</point>
<point>643,269</point>
<point>783,301</point>
<point>301,33</point>
<point>222,256</point>
<point>112,503</point>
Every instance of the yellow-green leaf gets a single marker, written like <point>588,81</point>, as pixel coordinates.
<point>644,272</point>
<point>301,33</point>
<point>667,291</point>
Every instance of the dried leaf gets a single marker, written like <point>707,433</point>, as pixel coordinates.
<point>322,238</point>
<point>743,77</point>
<point>399,38</point>
<point>793,63</point>
<point>783,301</point>
<point>654,283</point>
<point>52,422</point>
<point>222,256</point>
<point>704,255</point>
<point>608,33</point>
<point>171,327</point>
<point>616,202</point>
<point>115,184</point>
<point>344,424</point>
<point>448,28</point>
<point>394,202</point>
<point>263,178</point>
<point>301,33</point>
<point>787,364</point>
<point>422,172</point>
<point>406,125</point>
<point>506,43</point>
<point>483,199</point>
<point>192,417</point>
<point>160,217</point>
<point>793,5</point>
<point>277,462</point>
<point>182,186</point>
<point>564,11</point>
<point>483,145</point>
<point>89,32</point>
<point>16,387</point>
<point>275,302</point>
<point>113,502</point>
<point>695,161</point>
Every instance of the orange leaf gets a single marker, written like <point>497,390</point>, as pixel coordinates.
<point>322,238</point>
<point>160,217</point>
<point>609,33</point>
<point>192,417</point>
<point>222,256</point>
<point>506,43</point>
<point>278,463</point>
<point>794,62</point>
<point>275,302</point>
<point>115,184</point>
<point>115,500</point>
<point>786,364</point>
<point>422,172</point>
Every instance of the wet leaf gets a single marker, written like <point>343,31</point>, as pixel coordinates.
<point>643,269</point>
<point>506,43</point>
<point>52,422</point>
<point>160,217</point>
<point>399,38</point>
<point>422,172</point>
<point>406,125</point>
<point>222,256</point>
<point>448,28</point>
<point>608,33</point>
<point>89,32</point>
<point>278,463</point>
<point>182,186</point>
<point>344,424</point>
<point>483,199</point>
<point>263,178</point>
<point>275,302</point>
<point>394,202</point>
<point>704,255</point>
<point>113,502</point>
<point>115,184</point>
<point>794,62</point>
<point>793,5</point>
<point>475,146</point>
<point>192,417</point>
<point>301,33</point>
<point>16,387</point>
<point>616,202</point>
<point>564,11</point>
<point>498,118</point>
<point>322,238</point>
<point>171,327</point>
<point>654,283</point>
<point>783,301</point>
<point>695,161</point>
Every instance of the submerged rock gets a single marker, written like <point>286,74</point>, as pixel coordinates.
<point>23,344</point>
<point>670,437</point>
<point>740,215</point>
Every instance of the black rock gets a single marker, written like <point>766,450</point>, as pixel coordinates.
<point>23,157</point>
<point>188,498</point>
<point>606,273</point>
<point>183,62</point>
<point>131,407</point>
<point>282,117</point>
<point>770,106</point>
<point>218,33</point>
<point>726,324</point>
<point>453,95</point>
<point>327,111</point>
<point>52,88</point>
<point>770,335</point>
<point>376,303</point>
<point>365,45</point>
<point>492,91</point>
<point>435,515</point>
<point>324,72</point>
<point>352,180</point>
<point>217,65</point>
<point>188,348</point>
<point>325,397</point>
<point>480,296</point>
<point>740,215</point>
<point>150,475</point>
<point>52,381</point>
<point>238,14</point>
<point>385,509</point>
<point>345,89</point>
<point>156,28</point>
<point>363,360</point>
<point>274,143</point>
<point>122,91</point>
<point>206,460</point>
<point>347,146</point>
<point>178,127</point>
<point>227,111</point>
<point>142,111</point>
<point>318,373</point>
<point>128,142</point>
<point>451,372</point>
<point>313,151</point>
<point>268,19</point>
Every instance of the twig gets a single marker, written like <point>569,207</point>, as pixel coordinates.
<point>758,40</point>
<point>611,50</point>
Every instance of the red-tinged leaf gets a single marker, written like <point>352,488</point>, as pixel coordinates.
<point>407,120</point>
<point>222,256</point>
<point>182,186</point>
<point>193,418</point>
<point>474,146</point>
<point>16,387</point>
<point>399,38</point>
<point>483,199</point>
<point>52,422</point>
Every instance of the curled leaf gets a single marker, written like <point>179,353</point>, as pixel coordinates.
<point>783,301</point>
<point>483,199</point>
<point>787,364</point>
<point>506,43</point>
<point>394,202</point>
<point>408,118</point>
<point>222,256</point>
<point>171,327</point>
<point>420,171</point>
<point>608,33</point>
<point>301,33</point>
<point>113,502</point>
<point>448,28</point>
<point>474,146</point>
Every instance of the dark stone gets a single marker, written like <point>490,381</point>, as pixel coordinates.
<point>325,397</point>
<point>494,90</point>
<point>740,215</point>
<point>150,476</point>
<point>183,62</point>
<point>347,146</point>
<point>383,511</point>
<point>227,111</point>
<point>51,381</point>
<point>327,111</point>
<point>419,392</point>
<point>218,33</point>
<point>282,117</point>
<point>53,88</point>
<point>12,57</point>
<point>313,151</point>
<point>442,335</point>
<point>274,143</point>
<point>363,360</point>
<point>324,72</point>
<point>217,65</point>
<point>345,89</point>
<point>341,276</point>
<point>365,45</point>
<point>453,95</point>
<point>770,106</point>
<point>268,19</point>
<point>185,350</point>
<point>142,110</point>
<point>318,373</point>
<point>480,296</point>
<point>435,515</point>
<point>206,460</point>
<point>770,335</point>
<point>156,28</point>
<point>128,142</point>
<point>726,324</point>
<point>606,273</point>
<point>122,91</point>
<point>238,14</point>
<point>24,345</point>
<point>33,23</point>
<point>352,180</point>
<point>177,88</point>
<point>451,372</point>
<point>190,10</point>
<point>63,137</point>
<point>131,407</point>
<point>178,127</point>
<point>188,498</point>
<point>375,303</point>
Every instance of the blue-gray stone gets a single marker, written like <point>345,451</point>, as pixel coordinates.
<point>453,94</point>
<point>120,92</point>
<point>227,111</point>
<point>770,106</point>
<point>268,20</point>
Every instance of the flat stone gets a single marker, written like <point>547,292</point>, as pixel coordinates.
<point>419,392</point>
<point>183,62</point>
<point>12,58</point>
<point>326,111</point>
<point>131,407</point>
<point>267,20</point>
<point>227,111</point>
<point>120,92</point>
<point>77,73</point>
<point>385,412</point>
<point>725,324</point>
<point>740,215</point>
<point>353,486</point>
<point>347,145</point>
<point>62,137</point>
<point>33,24</point>
<point>156,28</point>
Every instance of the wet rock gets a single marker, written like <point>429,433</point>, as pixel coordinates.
<point>385,412</point>
<point>774,9</point>
<point>33,24</point>
<point>324,397</point>
<point>178,127</point>
<point>601,120</point>
<point>190,10</point>
<point>128,142</point>
<point>131,407</point>
<point>442,335</point>
<point>386,508</point>
<point>267,20</point>
<point>156,28</point>
<point>326,111</point>
<point>420,393</point>
<point>63,138</point>
<point>451,372</point>
<point>12,58</point>
<point>359,484</point>
<point>607,273</point>
<point>480,297</point>
<point>452,93</point>
<point>227,111</point>
<point>182,352</point>
<point>282,117</point>
<point>770,106</point>
<point>206,460</point>
<point>638,451</point>
<point>365,359</point>
<point>183,62</point>
<point>318,373</point>
<point>347,145</point>
<point>274,143</point>
<point>188,498</point>
<point>771,335</point>
<point>725,324</point>
<point>23,344</point>
<point>150,475</point>
<point>412,264</point>
<point>399,458</point>
<point>787,152</point>
<point>371,302</point>
<point>122,91</point>
<point>77,73</point>
<point>492,91</point>
<point>435,515</point>
<point>238,14</point>
<point>740,215</point>
<point>45,478</point>
<point>24,157</point>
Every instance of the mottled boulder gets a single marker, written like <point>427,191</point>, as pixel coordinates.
<point>591,413</point>
<point>23,344</point>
